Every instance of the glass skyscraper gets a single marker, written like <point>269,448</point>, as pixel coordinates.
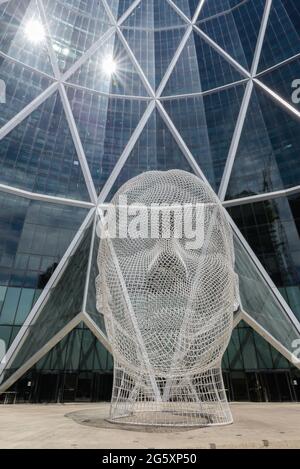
<point>94,92</point>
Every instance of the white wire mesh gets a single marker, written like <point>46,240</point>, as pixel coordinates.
<point>169,307</point>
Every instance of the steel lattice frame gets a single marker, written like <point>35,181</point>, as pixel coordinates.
<point>156,102</point>
<point>168,306</point>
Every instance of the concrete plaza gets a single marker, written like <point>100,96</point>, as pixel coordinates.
<point>81,426</point>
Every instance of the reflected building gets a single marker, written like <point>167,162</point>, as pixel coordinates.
<point>100,91</point>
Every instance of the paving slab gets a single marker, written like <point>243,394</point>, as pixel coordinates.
<point>84,426</point>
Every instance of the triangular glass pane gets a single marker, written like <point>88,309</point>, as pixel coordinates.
<point>119,7</point>
<point>105,125</point>
<point>272,229</point>
<point>74,27</point>
<point>262,306</point>
<point>248,351</point>
<point>282,39</point>
<point>63,305</point>
<point>188,7</point>
<point>23,85</point>
<point>154,49</point>
<point>156,150</point>
<point>34,236</point>
<point>39,154</point>
<point>142,44</point>
<point>153,14</point>
<point>206,124</point>
<point>236,29</point>
<point>199,68</point>
<point>23,34</point>
<point>110,70</point>
<point>79,350</point>
<point>285,82</point>
<point>268,154</point>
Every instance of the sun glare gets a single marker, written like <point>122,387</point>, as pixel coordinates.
<point>109,65</point>
<point>34,31</point>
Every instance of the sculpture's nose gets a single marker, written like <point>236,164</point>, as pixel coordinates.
<point>168,258</point>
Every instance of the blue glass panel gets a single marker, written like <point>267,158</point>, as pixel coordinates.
<point>281,79</point>
<point>248,348</point>
<point>268,155</point>
<point>74,27</point>
<point>153,14</point>
<point>10,306</point>
<point>87,350</point>
<point>234,352</point>
<point>259,301</point>
<point>39,154</point>
<point>33,238</point>
<point>142,44</point>
<point>58,355</point>
<point>215,7</point>
<point>272,229</point>
<point>188,7</point>
<point>154,49</point>
<point>23,35</point>
<point>63,304</point>
<point>282,39</point>
<point>206,124</point>
<point>73,350</point>
<point>105,126</point>
<point>156,149</point>
<point>23,85</point>
<point>96,74</point>
<point>236,29</point>
<point>119,7</point>
<point>199,68</point>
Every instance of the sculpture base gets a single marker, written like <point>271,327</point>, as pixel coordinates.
<point>193,401</point>
<point>175,416</point>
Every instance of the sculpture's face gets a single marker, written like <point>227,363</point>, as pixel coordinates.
<point>180,295</point>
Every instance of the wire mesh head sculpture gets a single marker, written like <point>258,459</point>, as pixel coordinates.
<point>168,291</point>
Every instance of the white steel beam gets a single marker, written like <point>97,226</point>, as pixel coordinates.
<point>271,340</point>
<point>174,61</point>
<point>261,37</point>
<point>223,53</point>
<point>88,54</point>
<point>278,99</point>
<point>98,333</point>
<point>204,93</point>
<point>27,110</point>
<point>89,266</point>
<point>252,199</point>
<point>78,144</point>
<point>198,11</point>
<point>237,319</point>
<point>128,12</point>
<point>278,65</point>
<point>50,49</point>
<point>125,155</point>
<point>180,12</point>
<point>235,141</point>
<point>180,142</point>
<point>44,198</point>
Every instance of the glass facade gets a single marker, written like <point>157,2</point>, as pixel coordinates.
<point>96,92</point>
